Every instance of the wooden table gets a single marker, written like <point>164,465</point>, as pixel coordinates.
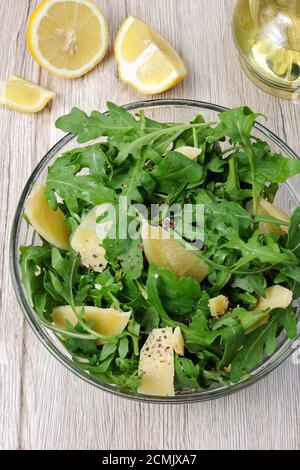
<point>42,405</point>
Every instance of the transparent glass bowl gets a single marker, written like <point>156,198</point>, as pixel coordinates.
<point>22,234</point>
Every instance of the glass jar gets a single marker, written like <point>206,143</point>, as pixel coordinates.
<point>267,34</point>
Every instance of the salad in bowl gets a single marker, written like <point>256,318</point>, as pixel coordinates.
<point>160,262</point>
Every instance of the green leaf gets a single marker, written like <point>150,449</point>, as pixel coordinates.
<point>71,188</point>
<point>57,261</point>
<point>232,338</point>
<point>276,168</point>
<point>88,128</point>
<point>186,373</point>
<point>291,272</point>
<point>236,124</point>
<point>215,376</point>
<point>174,169</point>
<point>249,299</point>
<point>107,350</point>
<point>94,158</point>
<point>247,318</point>
<point>31,258</point>
<point>293,243</point>
<point>255,249</point>
<point>179,296</point>
<point>262,340</point>
<point>131,177</point>
<point>251,283</point>
<point>159,138</point>
<point>132,259</point>
<point>123,347</point>
<point>85,346</point>
<point>126,133</point>
<point>269,167</point>
<point>150,320</point>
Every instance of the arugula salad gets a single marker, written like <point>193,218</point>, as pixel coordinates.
<point>164,311</point>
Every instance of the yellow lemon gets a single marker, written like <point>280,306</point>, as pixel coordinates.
<point>68,37</point>
<point>145,59</point>
<point>24,96</point>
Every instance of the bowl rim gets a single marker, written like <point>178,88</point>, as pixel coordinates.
<point>37,326</point>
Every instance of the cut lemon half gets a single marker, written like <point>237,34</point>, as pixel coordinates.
<point>24,96</point>
<point>145,59</point>
<point>68,37</point>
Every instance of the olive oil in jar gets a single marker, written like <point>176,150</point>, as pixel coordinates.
<point>267,34</point>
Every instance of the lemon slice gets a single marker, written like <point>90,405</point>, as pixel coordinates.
<point>24,96</point>
<point>145,59</point>
<point>47,222</point>
<point>163,250</point>
<point>68,37</point>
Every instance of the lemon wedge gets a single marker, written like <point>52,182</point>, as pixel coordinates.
<point>165,251</point>
<point>105,321</point>
<point>145,59</point>
<point>47,222</point>
<point>24,96</point>
<point>68,37</point>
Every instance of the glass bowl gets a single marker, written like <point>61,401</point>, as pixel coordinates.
<point>22,234</point>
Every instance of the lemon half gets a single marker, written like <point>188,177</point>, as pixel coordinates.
<point>68,37</point>
<point>145,59</point>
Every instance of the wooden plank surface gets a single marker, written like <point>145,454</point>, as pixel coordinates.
<point>42,405</point>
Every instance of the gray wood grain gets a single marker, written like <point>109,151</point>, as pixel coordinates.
<point>42,405</point>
